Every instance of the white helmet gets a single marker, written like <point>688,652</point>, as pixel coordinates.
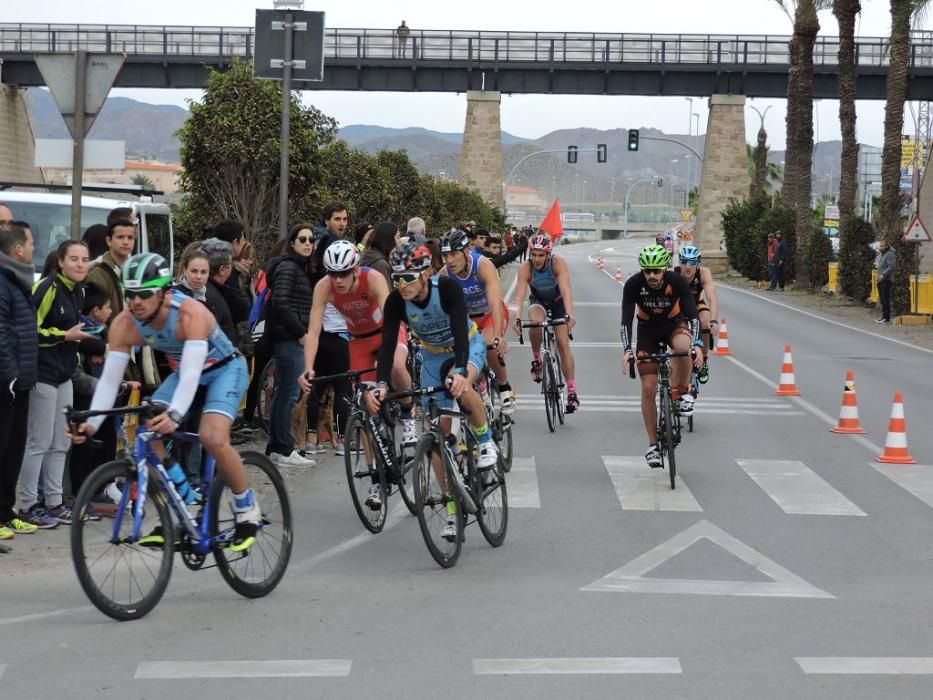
<point>341,256</point>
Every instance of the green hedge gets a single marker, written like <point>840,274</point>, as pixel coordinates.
<point>856,258</point>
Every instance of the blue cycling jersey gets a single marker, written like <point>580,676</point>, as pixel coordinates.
<point>474,290</point>
<point>543,283</point>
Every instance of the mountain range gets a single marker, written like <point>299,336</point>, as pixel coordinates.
<point>149,133</point>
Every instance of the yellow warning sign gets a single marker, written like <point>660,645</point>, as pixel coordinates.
<point>686,214</point>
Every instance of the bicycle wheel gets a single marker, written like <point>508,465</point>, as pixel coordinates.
<point>266,391</point>
<point>406,482</point>
<point>123,579</point>
<point>668,428</point>
<point>559,388</point>
<point>492,499</point>
<point>434,490</point>
<point>255,572</point>
<point>502,432</point>
<point>361,476</point>
<point>548,386</point>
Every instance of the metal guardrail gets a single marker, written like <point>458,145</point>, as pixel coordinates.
<point>181,42</point>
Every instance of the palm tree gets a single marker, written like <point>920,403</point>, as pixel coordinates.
<point>773,172</point>
<point>799,156</point>
<point>902,11</point>
<point>760,174</point>
<point>142,181</point>
<point>845,12</point>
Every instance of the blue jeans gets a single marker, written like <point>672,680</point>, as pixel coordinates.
<point>289,361</point>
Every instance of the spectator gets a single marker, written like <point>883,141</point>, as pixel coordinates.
<point>361,236</point>
<point>58,300</point>
<point>381,243</point>
<point>122,214</point>
<point>416,230</point>
<point>479,236</point>
<point>287,323</point>
<point>887,264</point>
<point>18,364</point>
<point>772,267</point>
<point>96,238</point>
<point>195,269</point>
<point>6,216</point>
<point>228,303</point>
<point>402,32</point>
<point>244,265</point>
<point>780,258</point>
<point>107,271</point>
<point>335,217</point>
<point>437,260</point>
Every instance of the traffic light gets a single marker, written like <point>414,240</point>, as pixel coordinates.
<point>601,153</point>
<point>571,154</point>
<point>633,139</point>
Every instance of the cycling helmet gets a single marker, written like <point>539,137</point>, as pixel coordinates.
<point>146,271</point>
<point>654,257</point>
<point>454,240</point>
<point>689,255</point>
<point>540,241</point>
<point>340,256</point>
<point>410,257</point>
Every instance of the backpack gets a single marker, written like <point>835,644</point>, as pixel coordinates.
<point>257,314</point>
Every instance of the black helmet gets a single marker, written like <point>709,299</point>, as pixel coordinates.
<point>454,240</point>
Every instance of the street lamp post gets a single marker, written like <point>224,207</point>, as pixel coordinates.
<point>627,196</point>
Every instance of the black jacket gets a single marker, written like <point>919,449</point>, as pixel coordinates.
<point>58,303</point>
<point>290,302</point>
<point>19,350</point>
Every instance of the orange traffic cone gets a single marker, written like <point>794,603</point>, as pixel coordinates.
<point>787,385</point>
<point>895,444</point>
<point>848,414</point>
<point>618,273</point>
<point>599,262</point>
<point>722,344</point>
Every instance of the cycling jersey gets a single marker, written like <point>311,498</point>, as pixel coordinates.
<point>543,282</point>
<point>474,289</point>
<point>360,308</point>
<point>671,303</point>
<point>696,287</point>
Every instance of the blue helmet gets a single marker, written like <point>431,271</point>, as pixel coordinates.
<point>689,255</point>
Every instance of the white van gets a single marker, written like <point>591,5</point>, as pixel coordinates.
<point>49,218</point>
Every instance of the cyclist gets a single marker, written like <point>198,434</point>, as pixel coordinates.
<point>701,284</point>
<point>435,310</point>
<point>548,278</point>
<point>200,354</point>
<point>479,281</point>
<point>666,313</point>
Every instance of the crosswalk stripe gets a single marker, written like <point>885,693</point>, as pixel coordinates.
<point>796,488</point>
<point>916,479</point>
<point>522,482</point>
<point>866,665</point>
<point>588,666</point>
<point>637,402</point>
<point>256,668</point>
<point>639,487</point>
<point>704,398</point>
<point>528,406</point>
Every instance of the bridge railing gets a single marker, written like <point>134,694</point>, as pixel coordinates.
<point>459,46</point>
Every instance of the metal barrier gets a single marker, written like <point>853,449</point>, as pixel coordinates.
<point>921,289</point>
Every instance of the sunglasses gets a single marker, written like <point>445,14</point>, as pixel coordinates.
<point>653,271</point>
<point>340,275</point>
<point>405,278</point>
<point>140,293</point>
<point>305,239</point>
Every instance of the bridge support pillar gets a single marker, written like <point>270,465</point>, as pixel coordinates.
<point>481,158</point>
<point>725,174</point>
<point>17,145</point>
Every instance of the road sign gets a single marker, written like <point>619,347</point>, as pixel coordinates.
<point>916,231</point>
<point>686,214</point>
<point>59,71</point>
<point>307,45</point>
<point>98,154</point>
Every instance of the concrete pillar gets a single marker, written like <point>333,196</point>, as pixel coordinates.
<point>725,174</point>
<point>481,158</point>
<point>17,144</point>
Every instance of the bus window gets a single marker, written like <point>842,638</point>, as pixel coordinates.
<point>158,234</point>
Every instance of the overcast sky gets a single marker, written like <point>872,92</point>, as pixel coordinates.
<point>524,115</point>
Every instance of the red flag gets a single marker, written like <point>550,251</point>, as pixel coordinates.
<point>551,224</point>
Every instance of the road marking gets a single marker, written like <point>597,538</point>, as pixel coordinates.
<point>780,403</point>
<point>526,405</point>
<point>867,665</point>
<point>41,616</point>
<point>523,483</point>
<point>641,488</point>
<point>636,401</point>
<point>589,666</point>
<point>916,479</point>
<point>796,488</point>
<point>278,668</point>
<point>630,578</point>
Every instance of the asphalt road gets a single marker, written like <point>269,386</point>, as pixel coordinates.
<point>786,564</point>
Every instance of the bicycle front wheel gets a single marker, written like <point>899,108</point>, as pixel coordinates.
<point>256,571</point>
<point>436,500</point>
<point>493,515</point>
<point>502,431</point>
<point>361,477</point>
<point>123,579</point>
<point>668,427</point>
<point>406,482</point>
<point>559,389</point>
<point>548,387</point>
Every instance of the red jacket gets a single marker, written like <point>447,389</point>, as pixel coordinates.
<point>772,249</point>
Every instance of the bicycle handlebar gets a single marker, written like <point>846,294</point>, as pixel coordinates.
<point>542,324</point>
<point>354,374</point>
<point>658,356</point>
<point>146,410</point>
<point>427,391</point>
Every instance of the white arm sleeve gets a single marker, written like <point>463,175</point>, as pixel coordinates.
<point>108,385</point>
<point>189,374</point>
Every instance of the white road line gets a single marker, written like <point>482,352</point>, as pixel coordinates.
<point>530,406</point>
<point>537,399</point>
<point>641,488</point>
<point>41,616</point>
<point>796,488</point>
<point>867,665</point>
<point>523,483</point>
<point>589,666</point>
<point>916,479</point>
<point>278,668</point>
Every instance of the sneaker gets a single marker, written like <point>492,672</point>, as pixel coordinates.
<point>686,405</point>
<point>703,373</point>
<point>62,513</point>
<point>155,539</point>
<point>314,448</point>
<point>573,403</point>
<point>488,455</point>
<point>91,513</point>
<point>39,516</point>
<point>20,526</point>
<point>536,371</point>
<point>449,532</point>
<point>374,499</point>
<point>247,427</point>
<point>409,432</point>
<point>653,457</point>
<point>6,533</point>
<point>292,460</point>
<point>507,401</point>
<point>341,450</point>
<point>238,438</point>
<point>246,529</point>
<point>113,492</point>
